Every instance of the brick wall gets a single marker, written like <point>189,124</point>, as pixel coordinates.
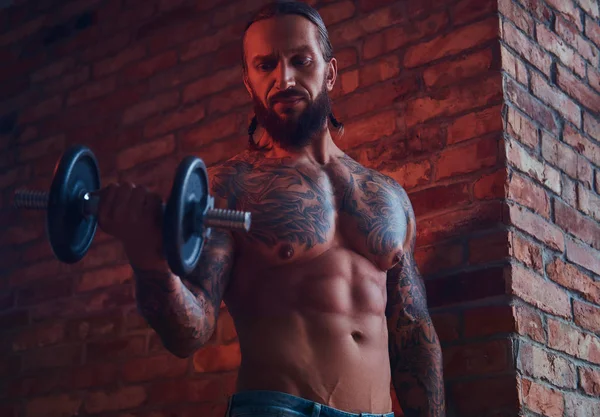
<point>550,53</point>
<point>486,121</point>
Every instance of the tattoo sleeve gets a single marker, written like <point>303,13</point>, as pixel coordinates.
<point>415,353</point>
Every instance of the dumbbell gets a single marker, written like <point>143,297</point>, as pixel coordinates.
<point>71,209</point>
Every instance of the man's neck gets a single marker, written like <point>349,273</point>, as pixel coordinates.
<point>321,149</point>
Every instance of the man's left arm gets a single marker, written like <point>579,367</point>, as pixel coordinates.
<point>414,348</point>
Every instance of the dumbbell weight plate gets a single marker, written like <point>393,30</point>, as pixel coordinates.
<point>183,237</point>
<point>69,231</point>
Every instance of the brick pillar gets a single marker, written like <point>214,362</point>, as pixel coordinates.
<point>551,80</point>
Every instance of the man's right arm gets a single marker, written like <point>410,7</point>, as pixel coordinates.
<point>184,312</point>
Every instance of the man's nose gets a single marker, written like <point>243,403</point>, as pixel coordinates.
<point>286,77</point>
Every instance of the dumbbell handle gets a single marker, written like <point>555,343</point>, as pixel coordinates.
<point>217,218</point>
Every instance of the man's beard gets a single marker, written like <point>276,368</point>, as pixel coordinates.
<point>294,133</point>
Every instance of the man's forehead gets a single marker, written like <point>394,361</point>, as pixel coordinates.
<point>283,34</point>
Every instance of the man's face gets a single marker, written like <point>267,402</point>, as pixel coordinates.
<point>288,78</point>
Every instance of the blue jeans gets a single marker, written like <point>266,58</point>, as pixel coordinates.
<point>279,404</point>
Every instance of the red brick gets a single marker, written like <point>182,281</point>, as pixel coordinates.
<point>490,186</point>
<point>41,110</point>
<point>211,84</point>
<point>468,10</point>
<point>530,106</point>
<point>369,129</point>
<point>488,321</point>
<point>452,44</point>
<point>394,38</point>
<point>554,44</point>
<point>208,44</point>
<point>516,14</point>
<point>468,158</point>
<point>425,139</point>
<point>94,327</point>
<point>567,9</point>
<point>522,129</point>
<point>208,131</point>
<point>590,381</point>
<point>51,357</point>
<point>220,151</point>
<point>570,277</point>
<point>186,390</point>
<point>526,251</point>
<point>144,109</point>
<point>573,37</point>
<point>115,63</point>
<point>52,70</point>
<point>144,69</point>
<point>593,78</point>
<point>55,405</point>
<point>451,72</point>
<point>578,90</point>
<point>476,358</point>
<point>537,362</point>
<point>439,198</point>
<point>514,66</point>
<point>105,277</point>
<point>174,120</point>
<point>583,145</point>
<point>592,30</point>
<point>526,48</point>
<point>74,78</point>
<point>380,70</point>
<point>566,338</point>
<point>555,99</point>
<point>24,30</point>
<point>91,91</point>
<point>460,222</point>
<point>115,399</point>
<point>38,336</point>
<point>591,7</point>
<point>536,226</point>
<point>519,158</point>
<point>376,97</point>
<point>588,202</point>
<point>569,191</point>
<point>473,398</point>
<point>42,147</point>
<point>130,157</point>
<point>491,247</point>
<point>581,406</point>
<point>571,221</point>
<point>527,193</point>
<point>126,347</point>
<point>218,358</point>
<point>372,22</point>
<point>529,323</point>
<point>447,326</point>
<point>38,292</point>
<point>154,367</point>
<point>228,100</point>
<point>337,12</point>
<point>432,259</point>
<point>587,316</point>
<point>560,155</point>
<point>346,57</point>
<point>540,293</point>
<point>542,400</point>
<point>369,5</point>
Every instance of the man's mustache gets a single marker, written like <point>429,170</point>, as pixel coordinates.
<point>286,95</point>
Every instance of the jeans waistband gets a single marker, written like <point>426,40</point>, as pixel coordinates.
<point>281,401</point>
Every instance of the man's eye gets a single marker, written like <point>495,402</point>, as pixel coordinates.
<point>303,61</point>
<point>265,66</point>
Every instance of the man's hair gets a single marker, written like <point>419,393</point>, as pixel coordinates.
<point>291,7</point>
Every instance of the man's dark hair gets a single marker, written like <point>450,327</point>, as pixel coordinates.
<point>291,7</point>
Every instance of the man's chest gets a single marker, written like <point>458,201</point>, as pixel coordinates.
<point>299,211</point>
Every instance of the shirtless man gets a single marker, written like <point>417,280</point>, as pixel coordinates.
<point>324,292</point>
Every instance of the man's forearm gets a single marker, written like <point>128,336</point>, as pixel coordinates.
<point>416,361</point>
<point>184,321</point>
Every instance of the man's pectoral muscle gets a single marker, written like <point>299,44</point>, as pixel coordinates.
<point>415,353</point>
<point>184,312</point>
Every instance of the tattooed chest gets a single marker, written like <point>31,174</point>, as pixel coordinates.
<point>302,211</point>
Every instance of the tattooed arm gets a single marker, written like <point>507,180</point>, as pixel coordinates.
<point>184,312</point>
<point>415,353</point>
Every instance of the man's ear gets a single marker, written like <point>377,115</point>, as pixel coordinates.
<point>247,83</point>
<point>332,70</point>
